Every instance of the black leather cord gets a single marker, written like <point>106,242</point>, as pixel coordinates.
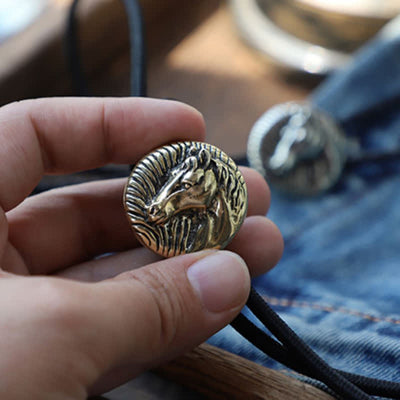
<point>137,48</point>
<point>300,352</point>
<point>374,157</point>
<point>275,350</point>
<point>73,54</point>
<point>138,70</point>
<point>287,355</point>
<point>290,350</point>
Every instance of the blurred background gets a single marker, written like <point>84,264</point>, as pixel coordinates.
<point>230,59</point>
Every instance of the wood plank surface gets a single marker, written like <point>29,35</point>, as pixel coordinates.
<point>219,375</point>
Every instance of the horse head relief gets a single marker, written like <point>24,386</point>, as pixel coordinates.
<point>299,140</point>
<point>185,197</point>
<point>192,185</point>
<point>299,149</point>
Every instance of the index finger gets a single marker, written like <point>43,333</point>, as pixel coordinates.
<point>65,135</point>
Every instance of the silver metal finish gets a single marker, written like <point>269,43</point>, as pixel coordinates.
<point>298,149</point>
<point>286,49</point>
<point>312,36</point>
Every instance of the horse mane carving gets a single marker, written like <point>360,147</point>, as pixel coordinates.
<point>186,197</point>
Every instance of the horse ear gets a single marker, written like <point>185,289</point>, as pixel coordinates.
<point>190,164</point>
<point>204,157</point>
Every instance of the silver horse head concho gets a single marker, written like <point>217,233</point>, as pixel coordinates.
<point>298,149</point>
<point>185,197</point>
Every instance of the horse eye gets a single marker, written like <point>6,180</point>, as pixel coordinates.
<point>186,185</point>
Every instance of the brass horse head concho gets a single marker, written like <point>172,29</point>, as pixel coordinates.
<point>185,197</point>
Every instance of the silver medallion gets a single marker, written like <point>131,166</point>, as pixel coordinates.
<point>298,149</point>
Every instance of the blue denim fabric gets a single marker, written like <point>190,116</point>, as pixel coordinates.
<point>338,283</point>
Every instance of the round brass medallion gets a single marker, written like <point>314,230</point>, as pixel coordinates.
<point>185,197</point>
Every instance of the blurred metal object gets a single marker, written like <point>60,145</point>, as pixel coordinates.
<point>16,15</point>
<point>313,36</point>
<point>298,149</point>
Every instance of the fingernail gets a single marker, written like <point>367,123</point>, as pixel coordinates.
<point>221,280</point>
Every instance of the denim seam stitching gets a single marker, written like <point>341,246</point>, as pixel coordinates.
<point>285,302</point>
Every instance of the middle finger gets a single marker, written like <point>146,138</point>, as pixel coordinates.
<point>71,225</point>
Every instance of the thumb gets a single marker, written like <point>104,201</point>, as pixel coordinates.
<point>148,315</point>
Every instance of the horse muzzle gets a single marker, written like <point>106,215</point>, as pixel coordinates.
<point>157,214</point>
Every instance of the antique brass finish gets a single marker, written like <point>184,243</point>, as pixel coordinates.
<point>185,197</point>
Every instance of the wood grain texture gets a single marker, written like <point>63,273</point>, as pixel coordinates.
<point>221,375</point>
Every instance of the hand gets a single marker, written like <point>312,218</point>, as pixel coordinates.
<point>71,324</point>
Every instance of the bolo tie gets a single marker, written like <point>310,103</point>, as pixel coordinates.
<point>303,149</point>
<point>170,176</point>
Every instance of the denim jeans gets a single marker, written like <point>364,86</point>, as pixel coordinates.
<point>338,283</point>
